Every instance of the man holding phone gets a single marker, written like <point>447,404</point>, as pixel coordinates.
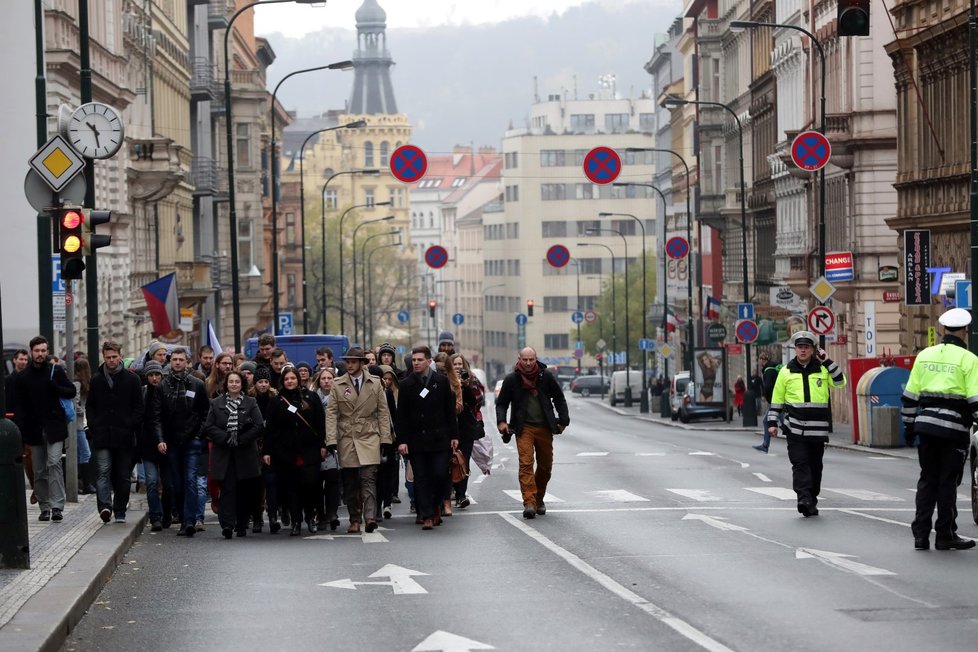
<point>801,394</point>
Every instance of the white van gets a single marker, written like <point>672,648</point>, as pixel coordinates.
<point>616,394</point>
<point>677,391</point>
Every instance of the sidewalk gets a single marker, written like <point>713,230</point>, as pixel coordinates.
<point>840,437</point>
<point>70,563</point>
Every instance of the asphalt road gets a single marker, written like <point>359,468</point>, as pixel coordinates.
<point>656,538</point>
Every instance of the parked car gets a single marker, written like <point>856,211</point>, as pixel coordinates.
<point>620,380</point>
<point>677,390</point>
<point>690,409</point>
<point>588,385</point>
<point>564,374</point>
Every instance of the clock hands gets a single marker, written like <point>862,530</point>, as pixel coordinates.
<point>95,131</point>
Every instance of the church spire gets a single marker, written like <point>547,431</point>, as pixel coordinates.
<point>373,92</point>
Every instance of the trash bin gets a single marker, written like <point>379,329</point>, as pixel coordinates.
<point>886,427</point>
<point>14,541</point>
<point>665,408</point>
<point>880,387</point>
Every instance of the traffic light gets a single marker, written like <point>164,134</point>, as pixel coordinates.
<point>71,242</point>
<point>92,240</point>
<point>853,17</point>
<point>599,357</point>
<point>431,308</point>
<point>529,307</point>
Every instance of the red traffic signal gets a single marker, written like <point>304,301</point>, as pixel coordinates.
<point>431,308</point>
<point>71,242</point>
<point>529,307</point>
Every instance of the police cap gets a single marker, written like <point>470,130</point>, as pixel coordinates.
<point>955,318</point>
<point>803,337</point>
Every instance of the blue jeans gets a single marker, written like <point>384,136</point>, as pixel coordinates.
<point>189,484</point>
<point>152,472</point>
<point>84,450</point>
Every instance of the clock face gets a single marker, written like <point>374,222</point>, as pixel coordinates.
<point>96,130</point>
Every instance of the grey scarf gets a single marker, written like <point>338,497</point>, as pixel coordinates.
<point>110,375</point>
<point>233,405</point>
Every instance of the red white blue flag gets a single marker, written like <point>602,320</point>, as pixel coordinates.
<point>712,308</point>
<point>162,303</point>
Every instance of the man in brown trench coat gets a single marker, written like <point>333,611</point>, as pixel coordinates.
<point>358,425</point>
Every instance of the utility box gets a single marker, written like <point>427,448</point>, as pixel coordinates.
<point>14,541</point>
<point>886,427</point>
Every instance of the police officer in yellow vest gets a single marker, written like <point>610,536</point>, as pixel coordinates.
<point>939,404</point>
<point>801,396</point>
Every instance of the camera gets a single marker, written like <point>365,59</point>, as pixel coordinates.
<point>464,375</point>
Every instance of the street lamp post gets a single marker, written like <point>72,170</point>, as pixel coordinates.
<point>273,189</point>
<point>232,211</point>
<point>322,216</point>
<point>302,219</point>
<point>628,354</point>
<point>369,282</point>
<point>753,24</point>
<point>644,401</point>
<point>750,415</point>
<point>614,302</point>
<point>339,246</point>
<point>356,316</point>
<point>364,266</point>
<point>690,337</point>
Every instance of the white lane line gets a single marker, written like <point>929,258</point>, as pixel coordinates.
<point>781,493</point>
<point>863,494</point>
<point>762,477</point>
<point>961,497</point>
<point>480,479</point>
<point>593,454</point>
<point>649,454</point>
<point>617,496</point>
<point>881,457</point>
<point>517,495</point>
<point>705,453</point>
<point>873,517</point>
<point>699,495</point>
<point>657,612</point>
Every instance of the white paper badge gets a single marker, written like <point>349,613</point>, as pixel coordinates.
<point>293,409</point>
<point>191,393</point>
<point>424,392</point>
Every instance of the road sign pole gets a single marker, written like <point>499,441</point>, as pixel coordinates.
<point>71,443</point>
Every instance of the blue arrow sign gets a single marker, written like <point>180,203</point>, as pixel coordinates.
<point>962,294</point>
<point>403,316</point>
<point>521,319</point>
<point>745,311</point>
<point>577,317</point>
<point>458,319</point>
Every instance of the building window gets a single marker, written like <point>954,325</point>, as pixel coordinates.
<point>510,160</point>
<point>368,154</point>
<point>397,198</point>
<point>646,122</point>
<point>556,304</point>
<point>332,201</point>
<point>512,230</point>
<point>242,150</point>
<point>556,341</point>
<point>384,154</point>
<point>625,227</point>
<point>585,191</point>
<point>550,158</point>
<point>290,228</point>
<point>512,193</point>
<point>246,247</point>
<point>616,123</point>
<point>584,225</point>
<point>290,290</point>
<point>582,123</point>
<point>589,265</point>
<point>554,229</point>
<point>458,182</point>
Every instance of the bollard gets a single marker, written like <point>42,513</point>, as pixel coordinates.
<point>749,409</point>
<point>628,394</point>
<point>665,407</point>
<point>14,542</point>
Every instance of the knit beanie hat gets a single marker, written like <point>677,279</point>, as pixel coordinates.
<point>446,336</point>
<point>248,365</point>
<point>263,373</point>
<point>304,365</point>
<point>386,348</point>
<point>152,367</point>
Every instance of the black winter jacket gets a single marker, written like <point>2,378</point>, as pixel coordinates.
<point>289,438</point>
<point>115,414</point>
<point>36,405</point>
<point>183,410</point>
<point>245,454</point>
<point>151,433</point>
<point>426,424</point>
<point>549,394</point>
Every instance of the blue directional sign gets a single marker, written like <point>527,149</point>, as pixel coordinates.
<point>745,311</point>
<point>57,283</point>
<point>962,294</point>
<point>458,319</point>
<point>285,324</point>
<point>403,316</point>
<point>646,344</point>
<point>521,319</point>
<point>577,317</point>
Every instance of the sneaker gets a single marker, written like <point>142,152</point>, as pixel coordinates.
<point>541,508</point>
<point>121,518</point>
<point>199,526</point>
<point>105,515</point>
<point>760,447</point>
<point>529,510</point>
<point>45,515</point>
<point>155,526</point>
<point>57,515</point>
<point>465,502</point>
<point>388,514</point>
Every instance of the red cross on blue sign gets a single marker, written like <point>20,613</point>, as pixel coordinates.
<point>602,165</point>
<point>810,150</point>
<point>408,163</point>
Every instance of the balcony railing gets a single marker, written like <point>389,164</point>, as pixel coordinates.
<point>206,177</point>
<point>201,79</point>
<point>218,13</point>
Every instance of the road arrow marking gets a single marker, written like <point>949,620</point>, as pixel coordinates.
<point>699,495</point>
<point>718,522</point>
<point>516,494</point>
<point>401,581</point>
<point>781,493</point>
<point>863,494</point>
<point>617,496</point>
<point>447,642</point>
<point>840,561</point>
<point>762,477</point>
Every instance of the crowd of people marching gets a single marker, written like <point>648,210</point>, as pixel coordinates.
<point>267,442</point>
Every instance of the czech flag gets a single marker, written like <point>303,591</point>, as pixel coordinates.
<point>161,300</point>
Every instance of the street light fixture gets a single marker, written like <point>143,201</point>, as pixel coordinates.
<point>614,302</point>
<point>356,301</point>
<point>644,400</point>
<point>628,353</point>
<point>357,124</point>
<point>232,211</point>
<point>339,245</point>
<point>364,267</point>
<point>322,217</point>
<point>273,164</point>
<point>750,415</point>
<point>690,337</point>
<point>753,24</point>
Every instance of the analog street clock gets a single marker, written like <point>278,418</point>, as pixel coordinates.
<point>95,130</point>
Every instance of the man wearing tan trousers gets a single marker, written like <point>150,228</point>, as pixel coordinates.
<point>539,411</point>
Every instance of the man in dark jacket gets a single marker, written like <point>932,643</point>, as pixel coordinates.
<point>184,410</point>
<point>428,431</point>
<point>115,412</point>
<point>43,424</point>
<point>539,412</point>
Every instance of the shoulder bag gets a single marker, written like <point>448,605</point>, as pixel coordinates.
<point>67,405</point>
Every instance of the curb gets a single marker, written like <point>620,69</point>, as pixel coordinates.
<point>44,622</point>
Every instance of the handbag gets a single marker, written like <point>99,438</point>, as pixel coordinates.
<point>67,405</point>
<point>458,467</point>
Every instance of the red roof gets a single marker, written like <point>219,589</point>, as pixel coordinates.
<point>454,171</point>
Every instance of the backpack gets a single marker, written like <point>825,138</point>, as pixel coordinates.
<point>67,404</point>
